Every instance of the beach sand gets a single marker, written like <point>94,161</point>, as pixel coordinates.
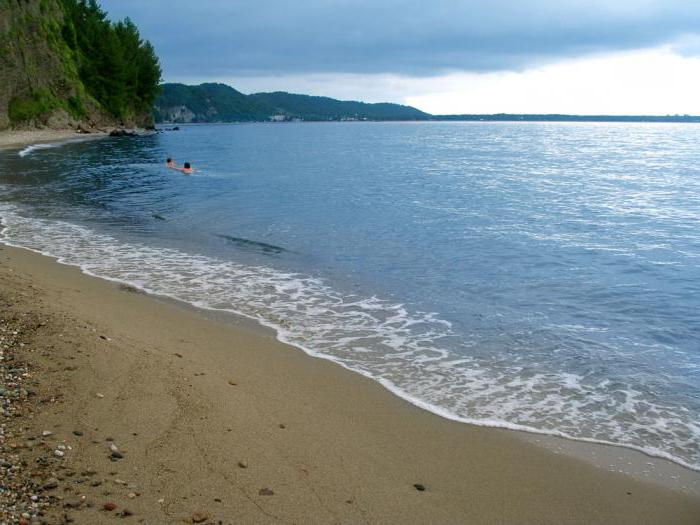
<point>218,423</point>
<point>19,138</point>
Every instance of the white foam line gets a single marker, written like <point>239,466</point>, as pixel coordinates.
<point>48,145</point>
<point>390,386</point>
<point>26,151</point>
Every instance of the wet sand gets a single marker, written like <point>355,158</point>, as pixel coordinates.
<point>220,423</point>
<point>19,138</point>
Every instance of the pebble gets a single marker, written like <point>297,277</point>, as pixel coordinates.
<point>131,495</point>
<point>232,383</point>
<point>51,483</point>
<point>199,517</point>
<point>113,447</point>
<point>243,464</point>
<point>100,395</point>
<point>419,487</point>
<point>59,453</point>
<point>46,433</point>
<point>77,433</point>
<point>266,492</point>
<point>116,455</point>
<point>109,506</point>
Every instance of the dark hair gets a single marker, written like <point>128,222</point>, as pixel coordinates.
<point>169,160</point>
<point>187,165</point>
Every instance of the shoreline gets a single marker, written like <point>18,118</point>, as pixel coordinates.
<point>11,139</point>
<point>343,433</point>
<point>645,464</point>
<point>613,457</point>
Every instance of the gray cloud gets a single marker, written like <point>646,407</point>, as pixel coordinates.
<point>216,38</point>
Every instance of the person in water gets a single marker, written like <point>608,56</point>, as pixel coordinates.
<point>187,168</point>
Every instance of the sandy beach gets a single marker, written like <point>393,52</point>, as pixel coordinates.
<point>18,138</point>
<point>132,407</point>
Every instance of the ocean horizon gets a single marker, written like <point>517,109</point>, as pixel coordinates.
<point>534,276</point>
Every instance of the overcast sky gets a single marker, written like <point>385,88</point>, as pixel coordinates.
<point>442,56</point>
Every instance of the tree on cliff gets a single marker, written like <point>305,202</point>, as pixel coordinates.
<point>117,68</point>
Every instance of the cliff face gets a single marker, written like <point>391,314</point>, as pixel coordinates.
<point>39,81</point>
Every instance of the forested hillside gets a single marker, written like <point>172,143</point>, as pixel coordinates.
<point>64,64</point>
<point>221,103</point>
<point>207,103</point>
<point>324,108</point>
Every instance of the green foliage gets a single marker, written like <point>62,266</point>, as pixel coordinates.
<point>222,103</point>
<point>210,103</point>
<point>325,108</point>
<point>118,69</point>
<point>25,109</point>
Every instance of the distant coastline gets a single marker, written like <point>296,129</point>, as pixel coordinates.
<point>219,103</point>
<point>514,117</point>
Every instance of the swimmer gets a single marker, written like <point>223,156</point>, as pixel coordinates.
<point>187,169</point>
<point>169,163</point>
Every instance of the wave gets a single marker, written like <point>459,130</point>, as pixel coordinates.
<point>29,149</point>
<point>415,355</point>
<point>57,144</point>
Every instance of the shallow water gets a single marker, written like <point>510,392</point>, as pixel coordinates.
<point>536,276</point>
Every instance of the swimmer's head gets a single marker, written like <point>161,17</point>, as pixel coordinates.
<point>187,166</point>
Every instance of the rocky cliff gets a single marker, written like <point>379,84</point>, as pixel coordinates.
<point>40,73</point>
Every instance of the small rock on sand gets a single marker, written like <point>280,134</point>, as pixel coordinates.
<point>266,492</point>
<point>109,506</point>
<point>243,464</point>
<point>199,517</point>
<point>232,382</point>
<point>51,483</point>
<point>419,487</point>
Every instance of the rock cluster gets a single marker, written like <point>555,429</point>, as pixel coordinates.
<point>25,489</point>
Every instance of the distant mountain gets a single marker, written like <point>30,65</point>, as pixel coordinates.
<point>207,103</point>
<point>324,108</point>
<point>179,103</point>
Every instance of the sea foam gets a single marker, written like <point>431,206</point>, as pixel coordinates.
<point>408,352</point>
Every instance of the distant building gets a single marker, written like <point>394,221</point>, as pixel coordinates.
<point>278,118</point>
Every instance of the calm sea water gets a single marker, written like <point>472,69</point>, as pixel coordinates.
<point>534,276</point>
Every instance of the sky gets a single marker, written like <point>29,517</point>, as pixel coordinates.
<point>441,56</point>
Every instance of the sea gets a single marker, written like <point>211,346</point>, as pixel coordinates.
<point>535,276</point>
